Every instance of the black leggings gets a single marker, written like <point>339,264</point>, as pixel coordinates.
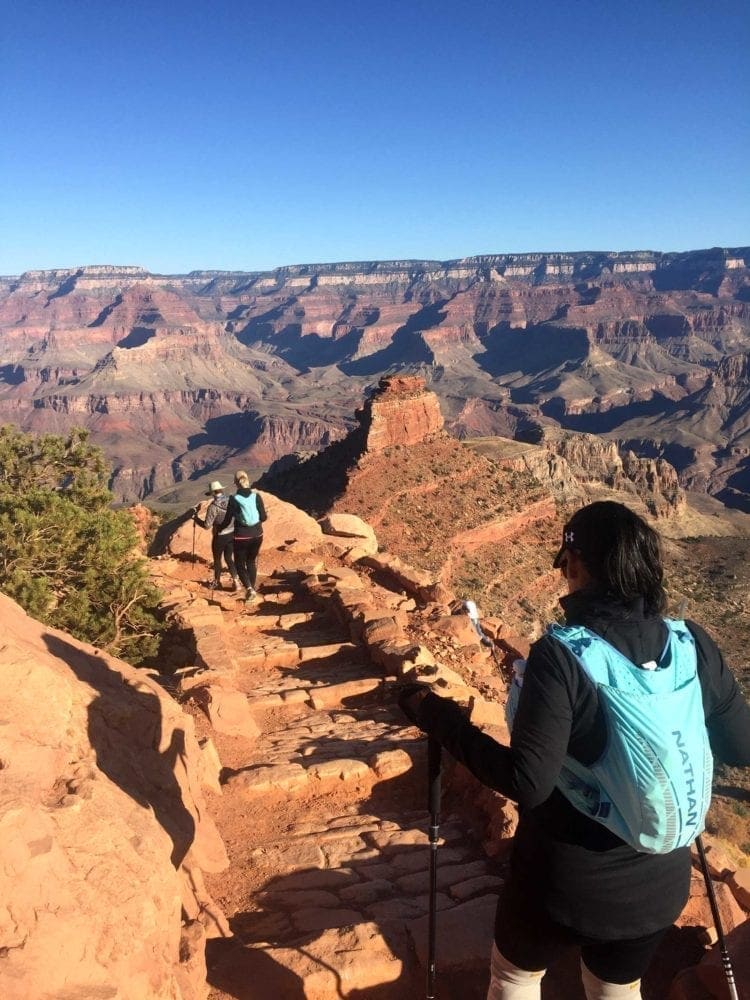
<point>530,939</point>
<point>246,555</point>
<point>223,545</point>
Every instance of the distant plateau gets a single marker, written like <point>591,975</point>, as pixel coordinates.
<point>184,377</point>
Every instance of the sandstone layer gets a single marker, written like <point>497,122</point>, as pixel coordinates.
<point>484,515</point>
<point>287,718</point>
<point>181,376</point>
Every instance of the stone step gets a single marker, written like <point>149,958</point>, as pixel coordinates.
<point>335,694</point>
<point>330,650</point>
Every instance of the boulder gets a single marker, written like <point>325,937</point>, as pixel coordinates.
<point>739,883</point>
<point>348,526</point>
<point>697,912</point>
<point>103,826</point>
<point>286,526</point>
<point>706,981</point>
<point>228,711</point>
<point>350,535</point>
<point>458,628</point>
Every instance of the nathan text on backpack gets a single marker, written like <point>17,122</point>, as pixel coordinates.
<point>652,784</point>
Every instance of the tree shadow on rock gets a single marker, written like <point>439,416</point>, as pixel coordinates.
<point>165,531</point>
<point>125,731</point>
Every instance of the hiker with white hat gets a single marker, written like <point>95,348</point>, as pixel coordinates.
<point>222,542</point>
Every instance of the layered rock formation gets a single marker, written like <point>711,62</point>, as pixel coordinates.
<point>401,412</point>
<point>323,796</point>
<point>453,508</point>
<point>178,376</point>
<point>314,779</point>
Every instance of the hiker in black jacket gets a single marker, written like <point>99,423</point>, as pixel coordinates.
<point>248,513</point>
<point>573,881</point>
<point>222,540</point>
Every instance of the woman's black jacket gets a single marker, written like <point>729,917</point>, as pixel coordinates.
<point>583,876</point>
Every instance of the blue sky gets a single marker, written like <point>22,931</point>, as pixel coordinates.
<point>251,135</point>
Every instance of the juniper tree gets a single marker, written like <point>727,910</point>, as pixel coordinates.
<point>65,555</point>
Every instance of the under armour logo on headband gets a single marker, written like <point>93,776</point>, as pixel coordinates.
<point>569,537</point>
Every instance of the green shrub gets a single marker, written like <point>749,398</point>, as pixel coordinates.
<point>65,556</point>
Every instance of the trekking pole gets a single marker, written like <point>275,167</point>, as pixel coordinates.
<point>433,804</point>
<point>193,559</point>
<point>725,960</point>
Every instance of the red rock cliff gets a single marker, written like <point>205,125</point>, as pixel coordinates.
<point>401,411</point>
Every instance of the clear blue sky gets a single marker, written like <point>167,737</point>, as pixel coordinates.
<point>182,135</point>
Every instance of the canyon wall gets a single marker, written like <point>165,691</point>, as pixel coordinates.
<point>179,377</point>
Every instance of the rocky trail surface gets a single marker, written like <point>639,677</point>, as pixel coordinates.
<point>319,786</point>
<point>323,812</point>
<point>247,819</point>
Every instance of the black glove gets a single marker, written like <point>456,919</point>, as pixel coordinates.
<point>410,697</point>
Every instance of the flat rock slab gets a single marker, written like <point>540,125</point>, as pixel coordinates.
<point>229,712</point>
<point>329,650</point>
<point>447,875</point>
<point>464,935</point>
<point>342,769</point>
<point>290,857</point>
<point>477,886</point>
<point>342,962</point>
<point>284,777</point>
<point>391,763</point>
<point>333,694</point>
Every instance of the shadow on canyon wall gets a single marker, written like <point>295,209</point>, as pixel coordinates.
<point>406,346</point>
<point>531,351</point>
<point>125,731</point>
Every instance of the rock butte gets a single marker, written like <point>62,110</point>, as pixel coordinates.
<point>250,819</point>
<point>184,375</point>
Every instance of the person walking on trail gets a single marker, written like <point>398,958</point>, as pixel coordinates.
<point>222,540</point>
<point>586,869</point>
<point>248,514</point>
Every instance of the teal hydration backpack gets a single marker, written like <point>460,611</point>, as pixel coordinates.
<point>248,514</point>
<point>652,784</point>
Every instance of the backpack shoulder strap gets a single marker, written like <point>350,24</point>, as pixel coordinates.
<point>585,647</point>
<point>680,650</point>
<point>606,665</point>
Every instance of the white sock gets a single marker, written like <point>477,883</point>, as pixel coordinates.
<point>508,982</point>
<point>597,989</point>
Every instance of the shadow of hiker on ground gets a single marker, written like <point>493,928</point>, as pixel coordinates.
<point>125,731</point>
<point>372,888</point>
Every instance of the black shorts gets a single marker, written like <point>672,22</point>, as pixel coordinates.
<point>528,937</point>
